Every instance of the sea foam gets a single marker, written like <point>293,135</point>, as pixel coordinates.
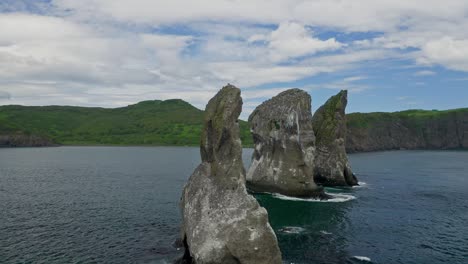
<point>361,258</point>
<point>292,230</point>
<point>323,232</point>
<point>335,198</point>
<point>361,185</point>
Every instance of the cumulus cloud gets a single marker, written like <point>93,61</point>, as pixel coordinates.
<point>117,52</point>
<point>358,15</point>
<point>449,52</point>
<point>291,40</point>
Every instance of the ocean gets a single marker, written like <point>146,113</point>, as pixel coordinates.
<point>120,205</point>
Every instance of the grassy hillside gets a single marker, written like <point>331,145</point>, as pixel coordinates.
<point>366,120</point>
<point>170,122</point>
<point>176,122</point>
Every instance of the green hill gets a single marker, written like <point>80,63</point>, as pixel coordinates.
<point>177,123</point>
<point>170,122</point>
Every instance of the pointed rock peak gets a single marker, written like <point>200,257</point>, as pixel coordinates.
<point>330,119</point>
<point>222,223</point>
<point>339,101</point>
<point>331,166</point>
<point>220,135</point>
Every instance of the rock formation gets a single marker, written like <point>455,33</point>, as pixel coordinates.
<point>412,129</point>
<point>222,223</point>
<point>283,159</point>
<point>18,139</point>
<point>331,162</point>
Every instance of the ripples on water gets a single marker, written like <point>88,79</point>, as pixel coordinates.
<point>120,205</point>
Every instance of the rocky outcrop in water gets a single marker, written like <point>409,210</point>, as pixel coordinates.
<point>412,129</point>
<point>222,223</point>
<point>331,163</point>
<point>283,159</point>
<point>24,140</point>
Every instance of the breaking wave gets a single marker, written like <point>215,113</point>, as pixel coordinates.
<point>335,198</point>
<point>361,258</point>
<point>361,185</point>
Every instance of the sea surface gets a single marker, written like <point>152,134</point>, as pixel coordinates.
<point>120,205</point>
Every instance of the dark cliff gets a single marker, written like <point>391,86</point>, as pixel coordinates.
<point>24,140</point>
<point>412,129</point>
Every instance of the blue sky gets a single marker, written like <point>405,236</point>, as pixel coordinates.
<point>390,55</point>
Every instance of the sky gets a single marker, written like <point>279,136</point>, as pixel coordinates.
<point>390,55</point>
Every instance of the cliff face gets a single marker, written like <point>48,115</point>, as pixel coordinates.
<point>413,129</point>
<point>24,140</point>
<point>331,165</point>
<point>222,223</point>
<point>283,159</point>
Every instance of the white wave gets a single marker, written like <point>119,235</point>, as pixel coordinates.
<point>361,258</point>
<point>291,230</point>
<point>323,232</point>
<point>336,198</point>
<point>361,185</point>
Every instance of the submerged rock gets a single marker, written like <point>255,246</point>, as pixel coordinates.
<point>283,159</point>
<point>222,223</point>
<point>331,162</point>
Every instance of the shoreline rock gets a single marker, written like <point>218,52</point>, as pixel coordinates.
<point>332,167</point>
<point>16,140</point>
<point>408,130</point>
<point>222,223</point>
<point>284,154</point>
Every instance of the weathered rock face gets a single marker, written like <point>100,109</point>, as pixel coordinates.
<point>24,140</point>
<point>222,223</point>
<point>412,129</point>
<point>284,141</point>
<point>331,163</point>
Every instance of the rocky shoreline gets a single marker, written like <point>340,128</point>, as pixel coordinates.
<point>24,140</point>
<point>407,130</point>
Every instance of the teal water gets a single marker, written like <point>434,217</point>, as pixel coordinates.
<point>120,205</point>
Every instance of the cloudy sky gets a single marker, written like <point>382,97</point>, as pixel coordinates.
<point>390,54</point>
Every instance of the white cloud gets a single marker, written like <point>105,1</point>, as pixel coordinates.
<point>293,40</point>
<point>449,52</point>
<point>349,83</point>
<point>113,52</point>
<point>424,73</point>
<point>357,15</point>
<point>354,78</point>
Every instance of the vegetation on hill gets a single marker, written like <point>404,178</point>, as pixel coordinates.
<point>177,123</point>
<point>365,120</point>
<point>411,129</point>
<point>170,122</point>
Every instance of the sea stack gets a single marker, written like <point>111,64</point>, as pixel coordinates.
<point>222,223</point>
<point>331,161</point>
<point>283,159</point>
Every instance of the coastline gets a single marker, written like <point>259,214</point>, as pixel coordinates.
<point>245,147</point>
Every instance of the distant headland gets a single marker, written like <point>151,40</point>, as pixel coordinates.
<point>177,123</point>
